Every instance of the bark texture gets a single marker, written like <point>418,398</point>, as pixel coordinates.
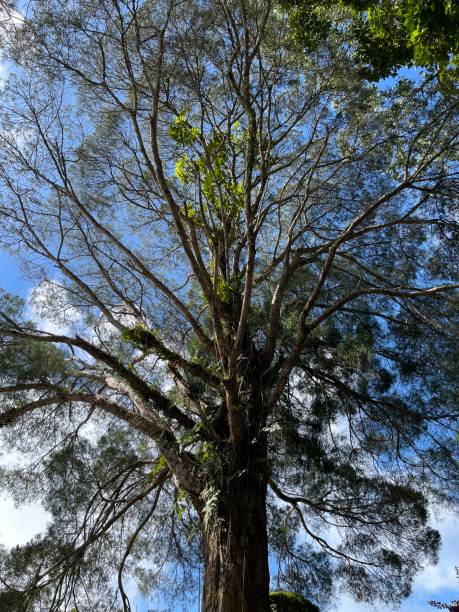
<point>235,543</point>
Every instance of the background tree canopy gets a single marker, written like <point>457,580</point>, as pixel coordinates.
<point>386,34</point>
<point>242,342</point>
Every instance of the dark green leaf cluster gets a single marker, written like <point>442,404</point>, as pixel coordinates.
<point>385,35</point>
<point>283,601</point>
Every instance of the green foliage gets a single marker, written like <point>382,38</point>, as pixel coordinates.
<point>183,169</point>
<point>208,172</point>
<point>226,291</point>
<point>182,132</point>
<point>160,465</point>
<point>205,452</point>
<point>33,360</point>
<point>308,21</point>
<point>283,601</point>
<point>288,161</point>
<point>138,335</point>
<point>28,360</point>
<point>386,34</point>
<point>12,601</point>
<point>181,503</point>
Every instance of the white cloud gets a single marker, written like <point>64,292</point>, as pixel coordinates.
<point>48,307</point>
<point>10,21</point>
<point>19,524</point>
<point>440,577</point>
<point>10,18</point>
<point>435,582</point>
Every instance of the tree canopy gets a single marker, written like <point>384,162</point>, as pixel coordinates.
<point>385,34</point>
<point>242,341</point>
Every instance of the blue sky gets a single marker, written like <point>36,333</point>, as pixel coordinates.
<point>17,525</point>
<point>11,279</point>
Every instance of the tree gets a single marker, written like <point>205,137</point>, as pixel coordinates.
<point>249,260</point>
<point>386,35</point>
<point>281,601</point>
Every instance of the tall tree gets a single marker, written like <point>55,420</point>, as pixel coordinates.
<point>249,260</point>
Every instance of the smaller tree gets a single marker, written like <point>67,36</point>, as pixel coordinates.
<point>283,601</point>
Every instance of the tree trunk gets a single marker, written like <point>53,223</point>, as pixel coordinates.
<point>235,542</point>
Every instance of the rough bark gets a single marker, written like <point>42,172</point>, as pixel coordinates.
<point>235,543</point>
